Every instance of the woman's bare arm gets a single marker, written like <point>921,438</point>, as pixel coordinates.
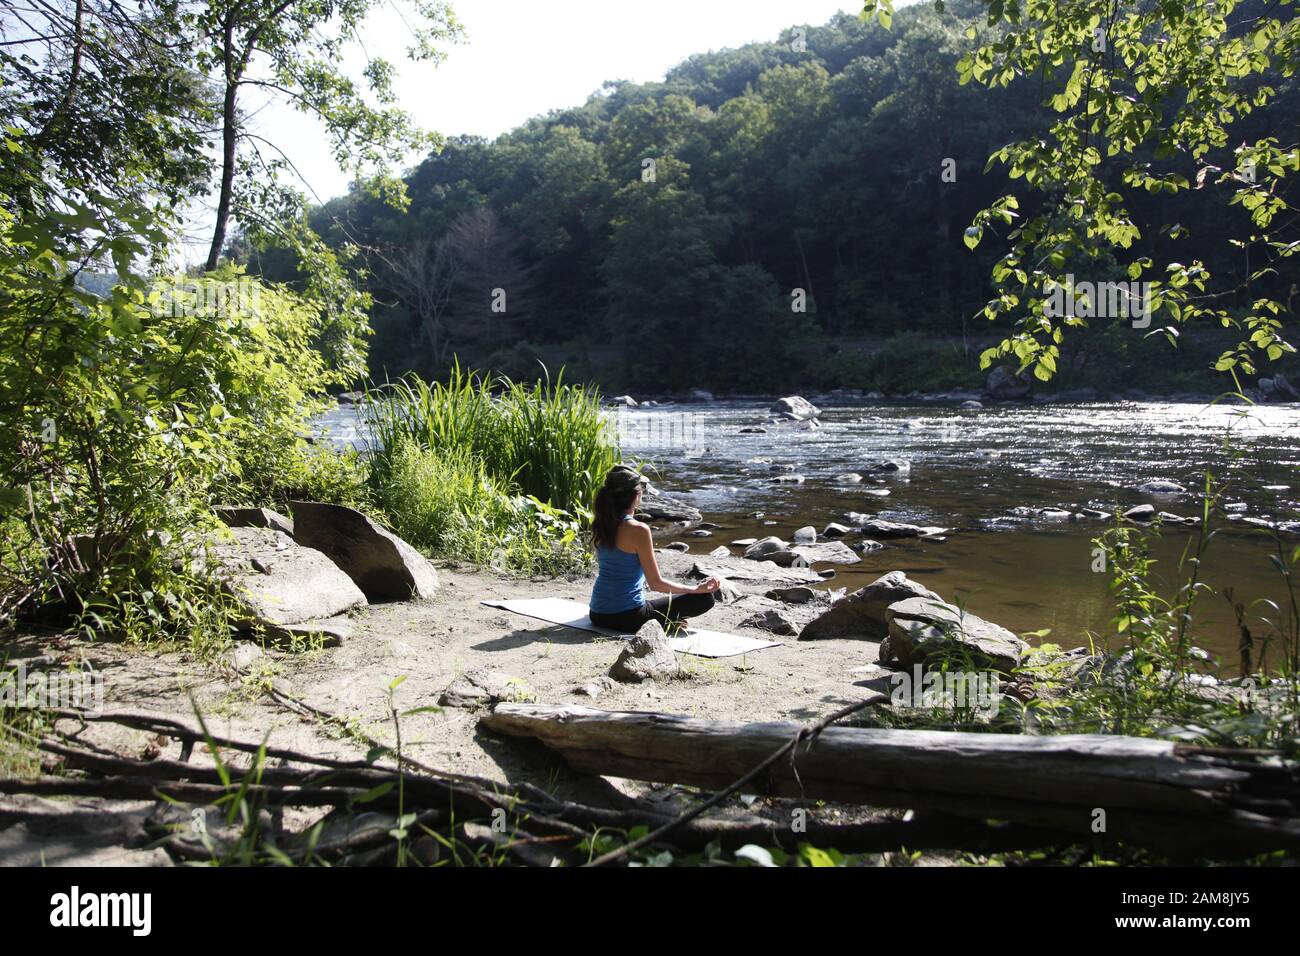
<point>645,549</point>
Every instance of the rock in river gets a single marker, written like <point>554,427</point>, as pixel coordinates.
<point>1143,513</point>
<point>795,407</point>
<point>827,552</point>
<point>1159,486</point>
<point>1003,383</point>
<point>658,507</point>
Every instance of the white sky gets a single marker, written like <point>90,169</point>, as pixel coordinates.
<point>521,59</point>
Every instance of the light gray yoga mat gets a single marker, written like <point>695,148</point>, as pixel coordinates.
<point>573,614</point>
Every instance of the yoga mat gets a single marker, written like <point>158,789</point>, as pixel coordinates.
<point>572,614</point>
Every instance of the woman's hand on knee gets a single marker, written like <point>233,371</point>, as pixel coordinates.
<point>708,586</point>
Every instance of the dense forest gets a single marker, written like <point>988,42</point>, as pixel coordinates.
<point>781,215</point>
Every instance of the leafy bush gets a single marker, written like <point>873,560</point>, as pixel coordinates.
<point>447,503</point>
<point>549,440</point>
<point>129,409</point>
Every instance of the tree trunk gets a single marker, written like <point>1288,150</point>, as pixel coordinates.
<point>229,132</point>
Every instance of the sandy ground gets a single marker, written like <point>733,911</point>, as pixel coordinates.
<point>431,644</point>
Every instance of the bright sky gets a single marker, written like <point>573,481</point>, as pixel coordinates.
<point>521,59</point>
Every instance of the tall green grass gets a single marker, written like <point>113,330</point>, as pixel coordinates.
<point>548,440</point>
<point>446,503</point>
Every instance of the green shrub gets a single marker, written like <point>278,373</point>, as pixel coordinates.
<point>446,503</point>
<point>128,411</point>
<point>549,440</point>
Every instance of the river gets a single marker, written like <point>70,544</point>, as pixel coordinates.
<point>970,470</point>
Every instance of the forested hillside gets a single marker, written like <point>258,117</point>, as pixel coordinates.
<point>665,235</point>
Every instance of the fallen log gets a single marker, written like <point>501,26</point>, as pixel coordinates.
<point>1146,792</point>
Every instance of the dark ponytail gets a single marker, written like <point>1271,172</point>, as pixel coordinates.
<point>612,502</point>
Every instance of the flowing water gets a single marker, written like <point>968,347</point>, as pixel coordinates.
<point>970,470</point>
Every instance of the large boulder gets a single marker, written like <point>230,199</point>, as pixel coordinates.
<point>795,408</point>
<point>237,516</point>
<point>278,582</point>
<point>648,656</point>
<point>862,613</point>
<point>1003,383</point>
<point>383,565</point>
<point>922,630</point>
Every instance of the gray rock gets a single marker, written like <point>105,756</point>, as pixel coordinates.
<point>972,403</point>
<point>793,595</point>
<point>794,407</point>
<point>895,465</point>
<point>1142,513</point>
<point>595,688</point>
<point>331,632</point>
<point>827,552</point>
<point>1283,388</point>
<point>851,478</point>
<point>701,533</point>
<point>752,573</point>
<point>765,546</point>
<point>478,688</point>
<point>880,528</point>
<point>626,400</point>
<point>235,516</point>
<point>242,654</point>
<point>922,630</point>
<point>1003,384</point>
<point>787,558</point>
<point>1159,486</point>
<point>658,507</point>
<point>382,564</point>
<point>677,546</point>
<point>647,656</point>
<point>700,395</point>
<point>770,620</point>
<point>805,535</point>
<point>280,582</point>
<point>721,551</point>
<point>788,479</point>
<point>836,530</point>
<point>862,613</point>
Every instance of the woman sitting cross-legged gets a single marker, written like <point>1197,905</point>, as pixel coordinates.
<point>626,556</point>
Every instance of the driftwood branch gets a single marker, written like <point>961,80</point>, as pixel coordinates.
<point>1146,792</point>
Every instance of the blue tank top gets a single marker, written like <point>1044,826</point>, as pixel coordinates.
<point>620,582</point>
